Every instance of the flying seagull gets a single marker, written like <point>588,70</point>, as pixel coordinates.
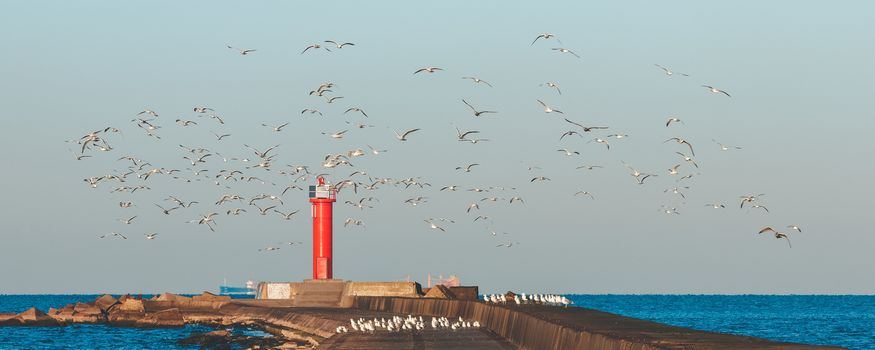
<point>669,72</point>
<point>243,52</point>
<point>716,90</point>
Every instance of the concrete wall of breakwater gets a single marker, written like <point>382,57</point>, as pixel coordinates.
<point>538,327</point>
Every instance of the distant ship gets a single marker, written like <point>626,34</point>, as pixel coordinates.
<point>225,289</point>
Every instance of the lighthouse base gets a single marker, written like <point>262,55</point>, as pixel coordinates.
<point>333,292</point>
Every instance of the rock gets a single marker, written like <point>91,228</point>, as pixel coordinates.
<point>164,318</point>
<point>87,313</point>
<point>105,302</point>
<point>64,314</point>
<point>207,296</point>
<point>35,317</point>
<point>130,305</point>
<point>8,319</point>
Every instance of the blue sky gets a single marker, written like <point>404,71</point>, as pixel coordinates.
<point>799,73</point>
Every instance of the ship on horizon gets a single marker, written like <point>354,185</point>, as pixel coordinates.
<point>248,290</point>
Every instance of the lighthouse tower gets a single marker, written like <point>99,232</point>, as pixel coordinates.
<point>322,198</point>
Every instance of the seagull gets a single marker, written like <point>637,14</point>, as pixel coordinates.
<point>761,206</point>
<point>449,188</point>
<point>462,135</point>
<point>375,151</point>
<point>150,236</point>
<point>185,122</point>
<point>672,120</point>
<point>315,46</point>
<point>217,118</point>
<point>203,109</point>
<point>356,109</point>
<point>715,206</point>
<point>767,229</point>
<point>545,36</point>
<point>584,193</point>
<point>794,227</point>
<point>331,99</point>
<point>337,135</point>
<point>682,141</point>
<point>548,109</point>
<point>674,170</point>
<point>618,136</point>
<point>286,216</point>
<point>539,178</point>
<point>466,169</point>
<point>277,128</point>
<point>589,167</point>
<point>568,152</point>
<point>518,199</point>
<point>351,221</point>
<point>125,204</point>
<point>478,80</point>
<point>268,249</point>
<point>668,72</point>
<point>339,46</point>
<point>586,128</point>
<point>149,112</point>
<point>508,245</point>
<point>433,226</point>
<point>235,211</point>
<point>598,140</point>
<point>472,206</point>
<point>688,159</point>
<point>569,133</point>
<point>428,70</point>
<point>166,211</point>
<point>564,50</point>
<point>403,137</point>
<point>243,52</point>
<point>725,147</point>
<point>129,220</point>
<point>476,112</point>
<point>113,234</point>
<point>552,85</point>
<point>641,179</point>
<point>311,111</point>
<point>779,235</point>
<point>749,199</point>
<point>716,90</point>
<point>220,137</point>
<point>483,217</point>
<point>676,191</point>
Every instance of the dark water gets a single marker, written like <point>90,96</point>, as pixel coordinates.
<point>87,336</point>
<point>847,321</point>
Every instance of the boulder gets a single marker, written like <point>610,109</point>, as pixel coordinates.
<point>64,314</point>
<point>35,317</point>
<point>164,318</point>
<point>105,302</point>
<point>87,313</point>
<point>8,319</point>
<point>130,305</point>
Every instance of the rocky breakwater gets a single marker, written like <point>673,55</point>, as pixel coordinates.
<point>165,310</point>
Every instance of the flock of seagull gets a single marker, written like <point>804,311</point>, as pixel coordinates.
<point>398,324</point>
<point>262,166</point>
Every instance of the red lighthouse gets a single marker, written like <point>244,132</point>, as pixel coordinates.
<point>322,198</point>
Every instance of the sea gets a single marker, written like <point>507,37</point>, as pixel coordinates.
<point>847,321</point>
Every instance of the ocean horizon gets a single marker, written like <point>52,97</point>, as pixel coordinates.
<point>839,320</point>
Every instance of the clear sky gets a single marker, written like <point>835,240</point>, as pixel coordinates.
<point>800,75</point>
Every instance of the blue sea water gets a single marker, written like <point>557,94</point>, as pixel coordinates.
<point>841,320</point>
<point>847,321</point>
